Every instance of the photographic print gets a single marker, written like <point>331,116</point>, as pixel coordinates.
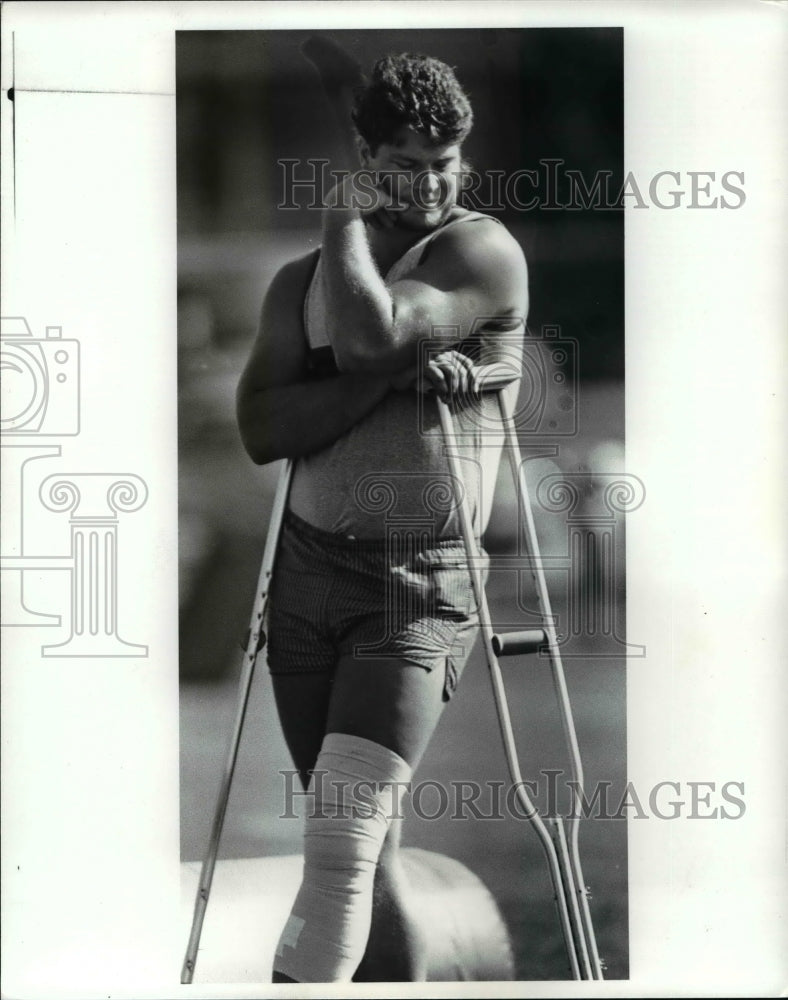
<point>392,416</point>
<point>262,121</point>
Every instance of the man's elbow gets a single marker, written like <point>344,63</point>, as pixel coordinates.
<point>377,346</point>
<point>258,446</point>
<point>356,358</point>
<point>259,455</point>
<point>380,356</point>
<point>258,451</point>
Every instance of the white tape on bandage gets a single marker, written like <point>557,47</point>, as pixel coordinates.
<point>357,786</point>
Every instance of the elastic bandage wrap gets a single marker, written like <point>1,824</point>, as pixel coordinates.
<point>356,786</point>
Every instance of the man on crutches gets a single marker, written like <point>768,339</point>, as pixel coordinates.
<point>369,628</point>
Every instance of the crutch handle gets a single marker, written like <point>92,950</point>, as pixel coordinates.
<point>511,643</point>
<point>495,376</point>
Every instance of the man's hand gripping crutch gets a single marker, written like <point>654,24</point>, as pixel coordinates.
<point>453,376</point>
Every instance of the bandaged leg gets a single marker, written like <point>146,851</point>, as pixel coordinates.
<point>357,787</point>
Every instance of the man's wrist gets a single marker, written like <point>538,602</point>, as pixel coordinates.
<point>337,213</point>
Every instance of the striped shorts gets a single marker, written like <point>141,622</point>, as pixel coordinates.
<point>407,597</point>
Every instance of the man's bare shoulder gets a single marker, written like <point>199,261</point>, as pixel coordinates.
<point>481,250</point>
<point>293,277</point>
<point>279,348</point>
<point>483,234</point>
<point>480,242</point>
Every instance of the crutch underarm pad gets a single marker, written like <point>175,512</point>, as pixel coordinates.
<point>512,643</point>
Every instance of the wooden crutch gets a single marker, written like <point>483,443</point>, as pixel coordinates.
<point>255,642</point>
<point>562,853</point>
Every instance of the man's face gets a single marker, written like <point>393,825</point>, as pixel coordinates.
<point>421,176</point>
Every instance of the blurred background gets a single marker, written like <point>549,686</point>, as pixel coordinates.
<point>245,101</point>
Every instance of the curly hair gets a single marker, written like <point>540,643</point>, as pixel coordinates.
<point>412,91</point>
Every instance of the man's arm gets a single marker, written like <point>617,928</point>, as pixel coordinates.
<point>473,270</point>
<point>281,411</point>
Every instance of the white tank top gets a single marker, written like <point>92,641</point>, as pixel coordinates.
<point>390,470</point>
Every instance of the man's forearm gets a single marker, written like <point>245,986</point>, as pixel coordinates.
<point>360,310</point>
<point>290,421</point>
